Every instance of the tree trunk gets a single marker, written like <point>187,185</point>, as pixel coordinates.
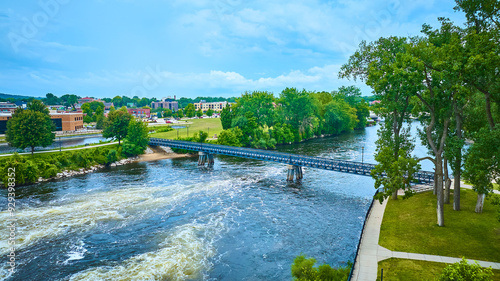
<point>395,195</point>
<point>435,182</point>
<point>32,150</point>
<point>458,162</point>
<point>439,186</point>
<point>480,203</point>
<point>447,182</point>
<point>488,111</point>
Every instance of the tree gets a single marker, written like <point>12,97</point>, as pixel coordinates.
<point>87,119</point>
<point>339,117</point>
<point>30,128</point>
<point>226,116</point>
<point>200,136</point>
<point>378,64</point>
<point>199,113</point>
<point>261,104</point>
<point>167,113</point>
<point>99,123</point>
<point>116,125</point>
<point>137,138</point>
<point>230,137</point>
<point>189,110</point>
<point>180,113</point>
<point>210,112</point>
<point>50,99</point>
<point>69,100</point>
<point>362,113</point>
<point>37,105</point>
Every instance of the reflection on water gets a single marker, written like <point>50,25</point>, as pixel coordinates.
<point>169,220</point>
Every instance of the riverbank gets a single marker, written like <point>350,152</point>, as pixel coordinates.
<point>392,241</point>
<point>151,154</point>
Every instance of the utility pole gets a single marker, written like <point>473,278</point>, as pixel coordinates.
<point>362,154</point>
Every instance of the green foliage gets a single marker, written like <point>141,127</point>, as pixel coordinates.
<point>29,168</point>
<point>210,112</point>
<point>137,138</point>
<point>112,156</point>
<point>30,128</point>
<point>199,113</point>
<point>226,117</point>
<point>189,111</point>
<point>303,270</point>
<point>393,175</point>
<point>339,117</point>
<point>116,125</point>
<point>200,136</point>
<point>230,137</point>
<point>463,271</point>
<point>87,119</point>
<point>495,200</point>
<point>482,160</point>
<point>180,113</point>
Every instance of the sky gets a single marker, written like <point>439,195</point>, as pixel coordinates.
<point>191,48</point>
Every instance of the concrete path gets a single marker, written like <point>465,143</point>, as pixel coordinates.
<point>370,252</point>
<point>383,253</point>
<point>56,150</point>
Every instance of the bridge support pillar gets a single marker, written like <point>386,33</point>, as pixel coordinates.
<point>205,158</point>
<point>294,170</point>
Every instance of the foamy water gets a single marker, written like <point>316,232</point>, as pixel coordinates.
<point>85,211</point>
<point>184,255</point>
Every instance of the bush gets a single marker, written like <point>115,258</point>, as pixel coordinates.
<point>463,271</point>
<point>112,156</point>
<point>303,270</point>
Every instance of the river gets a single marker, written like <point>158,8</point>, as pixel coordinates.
<point>170,220</point>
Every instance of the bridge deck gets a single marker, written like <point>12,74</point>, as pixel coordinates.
<point>352,167</point>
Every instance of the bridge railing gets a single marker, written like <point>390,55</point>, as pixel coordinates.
<point>283,157</point>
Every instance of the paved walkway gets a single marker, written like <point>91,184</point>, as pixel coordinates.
<point>67,149</point>
<point>370,252</point>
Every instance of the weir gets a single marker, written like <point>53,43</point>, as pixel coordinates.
<point>295,162</point>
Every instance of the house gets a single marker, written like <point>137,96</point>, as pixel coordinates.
<point>139,112</point>
<point>7,107</point>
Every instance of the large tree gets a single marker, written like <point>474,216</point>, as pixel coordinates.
<point>116,125</point>
<point>137,138</point>
<point>30,128</point>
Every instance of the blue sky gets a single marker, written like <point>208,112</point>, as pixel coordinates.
<point>190,48</point>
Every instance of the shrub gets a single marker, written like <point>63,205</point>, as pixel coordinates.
<point>303,270</point>
<point>463,271</point>
<point>112,156</point>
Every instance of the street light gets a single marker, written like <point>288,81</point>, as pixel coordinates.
<point>60,144</point>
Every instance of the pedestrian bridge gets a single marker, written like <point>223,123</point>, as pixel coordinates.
<point>295,162</point>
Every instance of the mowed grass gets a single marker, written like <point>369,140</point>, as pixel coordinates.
<point>210,125</point>
<point>411,226</point>
<point>403,269</point>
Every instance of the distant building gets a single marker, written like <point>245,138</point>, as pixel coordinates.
<point>130,104</point>
<point>374,102</point>
<point>139,112</point>
<point>7,107</point>
<point>108,105</point>
<point>215,106</point>
<point>63,121</point>
<point>85,100</point>
<point>166,103</point>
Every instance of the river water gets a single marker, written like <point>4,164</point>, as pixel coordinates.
<point>58,142</point>
<point>170,220</point>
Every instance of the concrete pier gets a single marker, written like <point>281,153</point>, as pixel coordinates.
<point>294,170</point>
<point>205,158</point>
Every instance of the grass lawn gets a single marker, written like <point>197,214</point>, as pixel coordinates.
<point>210,125</point>
<point>411,226</point>
<point>403,269</point>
